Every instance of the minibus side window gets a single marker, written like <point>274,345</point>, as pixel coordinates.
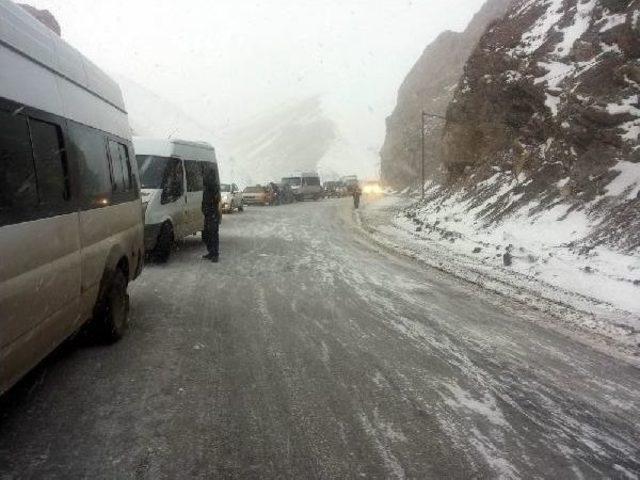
<point>129,177</point>
<point>117,170</point>
<point>90,150</point>
<point>18,193</point>
<point>194,176</point>
<point>172,185</point>
<point>51,168</point>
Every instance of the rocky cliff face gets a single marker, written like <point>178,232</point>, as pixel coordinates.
<point>550,100</point>
<point>44,16</point>
<point>430,86</point>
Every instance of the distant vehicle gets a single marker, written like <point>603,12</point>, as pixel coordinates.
<point>71,231</point>
<point>286,193</point>
<point>306,186</point>
<point>333,189</point>
<point>231,198</point>
<point>257,195</point>
<point>171,175</point>
<point>295,184</point>
<point>350,182</point>
<point>372,187</point>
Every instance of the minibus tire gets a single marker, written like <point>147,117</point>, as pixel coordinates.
<point>113,312</point>
<point>162,250</point>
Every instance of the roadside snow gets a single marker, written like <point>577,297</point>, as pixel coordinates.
<point>600,286</point>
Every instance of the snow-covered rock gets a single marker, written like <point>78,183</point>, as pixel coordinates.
<point>564,131</point>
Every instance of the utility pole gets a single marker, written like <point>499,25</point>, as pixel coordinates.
<point>424,116</point>
<point>422,154</point>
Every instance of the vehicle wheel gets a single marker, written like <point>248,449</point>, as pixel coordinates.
<point>112,313</point>
<point>162,252</point>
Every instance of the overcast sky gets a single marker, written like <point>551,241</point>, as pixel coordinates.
<point>224,60</point>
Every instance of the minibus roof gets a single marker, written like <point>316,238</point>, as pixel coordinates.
<point>24,34</point>
<point>185,149</point>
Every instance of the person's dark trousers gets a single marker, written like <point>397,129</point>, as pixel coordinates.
<point>210,234</point>
<point>356,201</point>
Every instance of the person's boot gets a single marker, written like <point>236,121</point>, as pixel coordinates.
<point>214,258</point>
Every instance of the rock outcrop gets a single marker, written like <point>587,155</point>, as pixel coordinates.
<point>44,16</point>
<point>551,98</point>
<point>429,86</point>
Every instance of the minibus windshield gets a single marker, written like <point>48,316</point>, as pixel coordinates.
<point>152,170</point>
<point>312,181</point>
<point>294,181</point>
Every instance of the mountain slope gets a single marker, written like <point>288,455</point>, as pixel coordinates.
<point>275,144</point>
<point>548,113</point>
<point>429,86</point>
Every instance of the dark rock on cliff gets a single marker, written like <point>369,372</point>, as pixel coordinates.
<point>430,86</point>
<point>550,97</point>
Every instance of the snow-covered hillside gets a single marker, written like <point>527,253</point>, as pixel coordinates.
<point>303,135</point>
<point>547,117</point>
<point>150,115</point>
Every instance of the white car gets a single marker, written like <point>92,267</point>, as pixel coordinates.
<point>231,198</point>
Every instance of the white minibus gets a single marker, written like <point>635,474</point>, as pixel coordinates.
<point>171,177</point>
<point>305,186</point>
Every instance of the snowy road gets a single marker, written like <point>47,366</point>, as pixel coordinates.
<point>308,353</point>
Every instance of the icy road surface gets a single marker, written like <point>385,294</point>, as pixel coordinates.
<point>308,353</point>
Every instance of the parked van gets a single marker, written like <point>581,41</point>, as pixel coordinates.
<point>71,231</point>
<point>305,186</point>
<point>171,176</point>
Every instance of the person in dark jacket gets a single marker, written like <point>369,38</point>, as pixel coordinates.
<point>211,212</point>
<point>356,196</point>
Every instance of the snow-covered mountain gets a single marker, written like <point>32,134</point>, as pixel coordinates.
<point>302,135</point>
<point>429,87</point>
<point>549,106</point>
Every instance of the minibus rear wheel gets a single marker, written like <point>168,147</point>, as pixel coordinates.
<point>113,311</point>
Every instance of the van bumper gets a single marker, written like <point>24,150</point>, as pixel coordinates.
<point>151,233</point>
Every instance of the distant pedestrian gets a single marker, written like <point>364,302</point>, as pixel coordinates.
<point>356,196</point>
<point>211,212</point>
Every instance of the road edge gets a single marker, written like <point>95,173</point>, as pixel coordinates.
<point>557,310</point>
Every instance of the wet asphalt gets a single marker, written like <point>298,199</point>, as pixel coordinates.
<point>309,353</point>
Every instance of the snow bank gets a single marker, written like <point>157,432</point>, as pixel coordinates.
<point>534,257</point>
